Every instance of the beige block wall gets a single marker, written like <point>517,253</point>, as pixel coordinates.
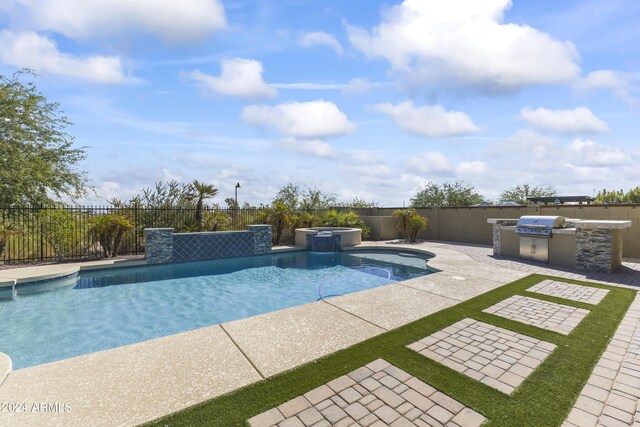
<point>510,243</point>
<point>562,250</point>
<point>469,225</point>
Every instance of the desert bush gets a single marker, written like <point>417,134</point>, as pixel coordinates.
<point>58,227</point>
<point>410,223</point>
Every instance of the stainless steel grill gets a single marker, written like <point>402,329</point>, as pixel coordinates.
<point>535,232</point>
<point>538,226</point>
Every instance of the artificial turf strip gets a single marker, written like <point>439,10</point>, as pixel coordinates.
<point>544,398</point>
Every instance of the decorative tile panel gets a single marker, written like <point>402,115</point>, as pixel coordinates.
<point>204,246</point>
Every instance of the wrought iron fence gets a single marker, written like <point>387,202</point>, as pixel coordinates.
<point>48,234</point>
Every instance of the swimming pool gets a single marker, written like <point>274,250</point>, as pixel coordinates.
<point>109,308</point>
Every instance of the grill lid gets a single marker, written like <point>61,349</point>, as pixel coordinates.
<point>541,221</point>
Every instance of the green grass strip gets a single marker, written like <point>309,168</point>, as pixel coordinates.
<point>544,399</point>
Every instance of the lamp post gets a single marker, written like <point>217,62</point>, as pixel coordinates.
<point>237,186</point>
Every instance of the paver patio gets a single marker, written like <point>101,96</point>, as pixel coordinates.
<point>570,291</point>
<point>495,356</point>
<point>611,396</point>
<point>546,315</point>
<point>376,395</point>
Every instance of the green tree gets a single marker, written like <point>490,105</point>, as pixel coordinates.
<point>357,202</point>
<point>520,193</point>
<point>37,156</point>
<point>456,193</point>
<point>606,197</point>
<point>315,200</point>
<point>172,194</point>
<point>307,199</point>
<point>632,196</point>
<point>201,191</point>
<point>288,195</point>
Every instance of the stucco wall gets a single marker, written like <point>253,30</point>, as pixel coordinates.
<point>470,225</point>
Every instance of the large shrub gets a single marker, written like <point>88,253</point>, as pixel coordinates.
<point>410,223</point>
<point>58,227</point>
<point>6,231</point>
<point>351,219</point>
<point>109,230</point>
<point>302,220</point>
<point>216,221</point>
<point>279,215</point>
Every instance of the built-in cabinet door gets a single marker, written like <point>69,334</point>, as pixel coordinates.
<point>534,248</point>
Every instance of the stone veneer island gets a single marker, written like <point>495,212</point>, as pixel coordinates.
<point>587,245</point>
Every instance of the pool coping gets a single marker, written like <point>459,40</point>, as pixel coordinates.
<point>264,344</point>
<point>35,274</point>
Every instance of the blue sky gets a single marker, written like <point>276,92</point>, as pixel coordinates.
<point>368,99</point>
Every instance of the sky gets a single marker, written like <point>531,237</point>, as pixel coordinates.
<point>362,99</point>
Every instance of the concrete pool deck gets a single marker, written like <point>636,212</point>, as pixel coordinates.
<point>140,382</point>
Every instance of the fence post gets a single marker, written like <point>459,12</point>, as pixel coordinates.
<point>41,235</point>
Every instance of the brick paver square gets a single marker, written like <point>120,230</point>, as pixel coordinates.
<point>546,315</point>
<point>410,403</point>
<point>585,294</point>
<point>505,360</point>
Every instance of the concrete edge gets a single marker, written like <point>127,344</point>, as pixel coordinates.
<point>7,283</point>
<point>287,248</point>
<point>48,276</point>
<point>115,264</point>
<point>5,366</point>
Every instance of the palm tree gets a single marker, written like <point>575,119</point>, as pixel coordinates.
<point>202,191</point>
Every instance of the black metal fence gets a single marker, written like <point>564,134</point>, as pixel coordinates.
<point>48,234</point>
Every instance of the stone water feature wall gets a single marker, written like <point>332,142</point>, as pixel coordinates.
<point>162,245</point>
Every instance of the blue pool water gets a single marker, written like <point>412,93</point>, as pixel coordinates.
<point>110,308</point>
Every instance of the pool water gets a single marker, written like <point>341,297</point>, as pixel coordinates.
<point>110,308</point>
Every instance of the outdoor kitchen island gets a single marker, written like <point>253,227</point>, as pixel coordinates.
<point>592,245</point>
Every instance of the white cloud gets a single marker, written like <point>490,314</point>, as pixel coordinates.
<point>171,20</point>
<point>320,38</point>
<point>471,168</point>
<point>588,153</point>
<point>238,77</point>
<point>366,156</point>
<point>623,85</point>
<point>314,119</point>
<point>578,120</point>
<point>375,171</point>
<point>30,50</point>
<point>465,42</point>
<point>359,86</point>
<point>429,120</point>
<point>313,147</point>
<point>308,86</point>
<point>430,162</point>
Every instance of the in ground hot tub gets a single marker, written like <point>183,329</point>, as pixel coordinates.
<point>348,236</point>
